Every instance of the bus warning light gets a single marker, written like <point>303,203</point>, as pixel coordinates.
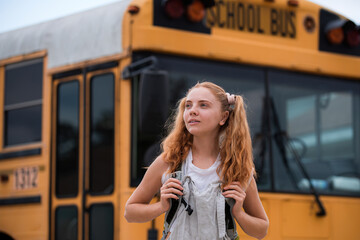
<point>173,8</point>
<point>353,38</point>
<point>334,31</point>
<point>335,36</point>
<point>196,11</point>
<point>338,30</point>
<point>293,3</point>
<point>351,34</point>
<point>132,9</point>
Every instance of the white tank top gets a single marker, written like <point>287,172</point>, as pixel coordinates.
<point>201,177</point>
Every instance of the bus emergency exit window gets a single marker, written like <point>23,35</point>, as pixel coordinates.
<point>23,102</point>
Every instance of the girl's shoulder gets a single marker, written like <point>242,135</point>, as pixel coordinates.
<point>159,165</point>
<point>153,174</point>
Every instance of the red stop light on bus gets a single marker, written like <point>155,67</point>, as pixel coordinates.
<point>353,36</point>
<point>173,8</point>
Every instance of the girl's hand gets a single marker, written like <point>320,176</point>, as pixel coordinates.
<point>235,192</point>
<point>170,189</point>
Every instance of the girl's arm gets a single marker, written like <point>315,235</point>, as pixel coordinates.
<point>137,208</point>
<point>253,220</point>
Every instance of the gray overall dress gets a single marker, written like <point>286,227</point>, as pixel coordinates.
<point>207,221</point>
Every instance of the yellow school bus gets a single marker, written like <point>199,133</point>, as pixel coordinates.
<point>84,99</point>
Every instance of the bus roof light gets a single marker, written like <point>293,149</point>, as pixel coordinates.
<point>132,9</point>
<point>352,38</point>
<point>196,11</point>
<point>173,8</point>
<point>334,31</point>
<point>335,36</point>
<point>293,3</point>
<point>351,34</point>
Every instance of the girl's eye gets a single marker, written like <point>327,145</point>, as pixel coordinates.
<point>187,105</point>
<point>203,105</point>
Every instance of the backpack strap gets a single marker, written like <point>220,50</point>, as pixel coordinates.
<point>230,221</point>
<point>174,206</point>
<point>229,218</point>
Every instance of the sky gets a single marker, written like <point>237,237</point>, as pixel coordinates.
<point>16,14</point>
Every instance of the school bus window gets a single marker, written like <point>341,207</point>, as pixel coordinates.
<point>318,115</point>
<point>102,134</point>
<point>22,108</point>
<point>102,221</point>
<point>66,223</point>
<point>67,139</point>
<point>245,80</point>
<point>23,125</point>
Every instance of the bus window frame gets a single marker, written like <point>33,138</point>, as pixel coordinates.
<point>30,148</point>
<point>73,200</point>
<point>89,77</point>
<point>267,93</point>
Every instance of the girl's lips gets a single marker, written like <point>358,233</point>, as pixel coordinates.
<point>193,122</point>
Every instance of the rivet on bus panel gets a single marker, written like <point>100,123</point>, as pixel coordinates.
<point>132,9</point>
<point>293,3</point>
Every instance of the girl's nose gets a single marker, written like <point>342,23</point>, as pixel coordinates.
<point>193,112</point>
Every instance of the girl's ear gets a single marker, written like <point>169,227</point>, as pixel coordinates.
<point>224,118</point>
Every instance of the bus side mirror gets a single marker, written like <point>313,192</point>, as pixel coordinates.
<point>154,101</point>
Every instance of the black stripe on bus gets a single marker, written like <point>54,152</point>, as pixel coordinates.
<point>23,200</point>
<point>67,74</point>
<point>102,66</point>
<point>24,153</point>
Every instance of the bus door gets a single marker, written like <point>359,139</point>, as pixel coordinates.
<point>83,191</point>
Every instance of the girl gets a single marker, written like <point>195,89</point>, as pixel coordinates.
<point>210,143</point>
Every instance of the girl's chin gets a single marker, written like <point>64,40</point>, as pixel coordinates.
<point>196,133</point>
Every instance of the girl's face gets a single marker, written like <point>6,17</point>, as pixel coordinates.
<point>203,114</point>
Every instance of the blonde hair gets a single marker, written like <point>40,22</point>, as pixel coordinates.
<point>234,139</point>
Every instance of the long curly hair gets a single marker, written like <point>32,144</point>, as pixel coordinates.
<point>234,139</point>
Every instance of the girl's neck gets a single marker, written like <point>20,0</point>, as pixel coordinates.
<point>204,152</point>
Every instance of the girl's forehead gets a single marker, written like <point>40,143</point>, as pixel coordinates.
<point>200,94</point>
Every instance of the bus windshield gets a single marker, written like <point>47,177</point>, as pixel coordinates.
<point>316,113</point>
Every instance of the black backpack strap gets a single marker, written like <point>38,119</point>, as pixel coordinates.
<point>230,222</point>
<point>174,205</point>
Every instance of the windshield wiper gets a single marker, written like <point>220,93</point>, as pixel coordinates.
<point>283,142</point>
